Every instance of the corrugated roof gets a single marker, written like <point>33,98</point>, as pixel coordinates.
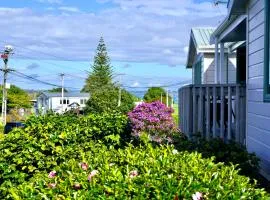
<point>66,94</point>
<point>201,36</point>
<point>200,41</point>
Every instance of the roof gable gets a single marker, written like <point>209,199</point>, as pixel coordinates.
<point>199,42</point>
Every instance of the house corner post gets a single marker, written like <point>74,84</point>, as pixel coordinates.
<point>216,61</point>
<point>221,64</point>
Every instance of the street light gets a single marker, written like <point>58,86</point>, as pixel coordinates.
<point>8,49</point>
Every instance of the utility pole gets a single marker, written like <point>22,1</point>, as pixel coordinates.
<point>62,80</point>
<point>8,50</point>
<point>120,90</point>
<point>167,98</point>
<point>172,100</point>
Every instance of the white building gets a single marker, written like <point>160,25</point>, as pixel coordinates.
<point>201,58</point>
<point>241,111</point>
<point>53,101</point>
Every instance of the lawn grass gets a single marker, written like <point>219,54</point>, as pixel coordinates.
<point>175,114</point>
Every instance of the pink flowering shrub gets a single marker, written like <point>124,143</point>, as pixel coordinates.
<point>155,119</point>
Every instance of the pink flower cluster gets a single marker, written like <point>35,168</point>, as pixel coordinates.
<point>92,174</point>
<point>154,118</point>
<point>197,196</point>
<point>52,174</point>
<point>77,186</point>
<point>84,166</point>
<point>133,174</point>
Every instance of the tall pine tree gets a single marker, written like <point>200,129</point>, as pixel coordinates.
<point>101,70</point>
<point>103,91</point>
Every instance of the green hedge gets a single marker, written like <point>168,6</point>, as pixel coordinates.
<point>62,143</point>
<point>49,140</point>
<point>138,173</point>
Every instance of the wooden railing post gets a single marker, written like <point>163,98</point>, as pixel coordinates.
<point>214,111</point>
<point>222,98</point>
<point>208,113</point>
<point>200,112</point>
<point>237,114</point>
<point>229,113</point>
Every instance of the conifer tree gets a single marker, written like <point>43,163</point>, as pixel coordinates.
<point>101,73</point>
<point>103,91</point>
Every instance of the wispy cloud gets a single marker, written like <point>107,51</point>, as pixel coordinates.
<point>135,84</point>
<point>69,9</point>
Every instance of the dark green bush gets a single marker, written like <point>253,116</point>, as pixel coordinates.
<point>228,153</point>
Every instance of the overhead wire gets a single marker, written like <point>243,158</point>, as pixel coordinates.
<point>22,75</point>
<point>47,62</point>
<point>31,78</point>
<point>37,51</point>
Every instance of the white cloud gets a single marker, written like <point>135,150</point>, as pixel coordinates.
<point>186,49</point>
<point>69,9</point>
<point>135,84</point>
<point>144,31</point>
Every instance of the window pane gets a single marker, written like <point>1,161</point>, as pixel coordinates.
<point>65,102</point>
<point>81,101</point>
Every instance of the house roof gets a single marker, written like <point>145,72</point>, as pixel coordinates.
<point>199,42</point>
<point>236,7</point>
<point>236,15</point>
<point>66,94</point>
<point>232,29</point>
<point>201,36</point>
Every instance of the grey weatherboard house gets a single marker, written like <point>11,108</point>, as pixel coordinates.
<point>235,111</point>
<point>201,58</point>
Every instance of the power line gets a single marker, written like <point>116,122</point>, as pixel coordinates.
<point>22,75</point>
<point>47,62</point>
<point>164,86</point>
<point>47,54</point>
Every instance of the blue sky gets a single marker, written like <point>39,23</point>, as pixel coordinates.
<point>146,40</point>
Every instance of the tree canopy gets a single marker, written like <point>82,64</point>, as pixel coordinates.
<point>16,98</point>
<point>104,93</point>
<point>56,90</point>
<point>101,70</point>
<point>106,99</point>
<point>156,94</point>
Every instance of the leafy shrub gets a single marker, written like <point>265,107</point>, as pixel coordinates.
<point>105,99</point>
<point>153,118</point>
<point>52,139</point>
<point>228,153</point>
<point>138,173</point>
